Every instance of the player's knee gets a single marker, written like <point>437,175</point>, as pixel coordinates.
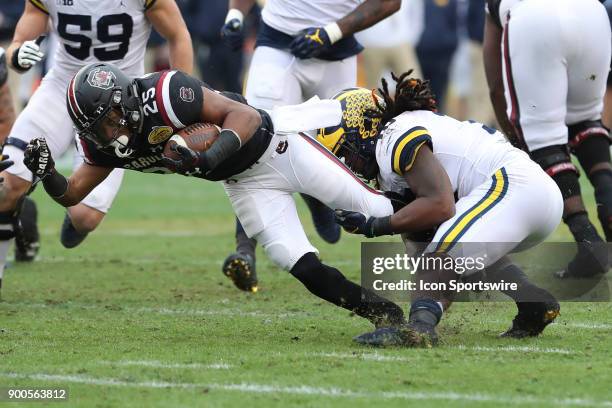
<point>556,162</point>
<point>85,219</point>
<point>282,254</point>
<point>590,141</point>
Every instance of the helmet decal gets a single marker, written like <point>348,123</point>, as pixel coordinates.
<point>101,78</point>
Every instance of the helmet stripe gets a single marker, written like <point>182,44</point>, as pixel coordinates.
<point>72,102</point>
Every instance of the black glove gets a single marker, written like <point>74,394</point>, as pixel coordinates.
<point>355,222</point>
<point>310,42</point>
<point>188,162</point>
<point>37,158</point>
<point>232,35</point>
<point>5,163</point>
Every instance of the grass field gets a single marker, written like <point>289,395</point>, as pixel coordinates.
<point>140,316</point>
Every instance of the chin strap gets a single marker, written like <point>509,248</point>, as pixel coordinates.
<point>121,149</point>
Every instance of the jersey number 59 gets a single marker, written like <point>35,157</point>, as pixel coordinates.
<point>121,40</point>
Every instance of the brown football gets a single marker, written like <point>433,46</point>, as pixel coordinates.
<point>198,137</point>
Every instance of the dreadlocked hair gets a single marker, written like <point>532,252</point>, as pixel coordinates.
<point>410,94</point>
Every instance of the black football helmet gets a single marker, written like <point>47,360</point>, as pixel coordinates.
<point>103,104</point>
<point>354,139</point>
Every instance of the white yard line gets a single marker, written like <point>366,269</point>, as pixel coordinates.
<point>264,315</point>
<point>161,364</point>
<point>314,391</point>
<point>503,349</point>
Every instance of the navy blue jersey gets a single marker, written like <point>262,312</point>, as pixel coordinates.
<point>173,100</point>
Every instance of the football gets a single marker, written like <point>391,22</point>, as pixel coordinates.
<point>198,137</point>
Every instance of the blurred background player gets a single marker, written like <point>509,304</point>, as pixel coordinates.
<point>389,45</point>
<point>88,31</point>
<point>304,48</point>
<point>547,68</point>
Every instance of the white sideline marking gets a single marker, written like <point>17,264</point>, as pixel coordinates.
<point>318,391</point>
<point>504,349</point>
<point>162,310</point>
<point>263,315</point>
<point>161,364</point>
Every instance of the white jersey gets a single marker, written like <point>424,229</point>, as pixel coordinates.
<point>292,16</point>
<point>113,31</point>
<point>469,152</point>
<point>500,9</point>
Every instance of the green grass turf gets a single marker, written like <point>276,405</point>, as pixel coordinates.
<point>136,316</point>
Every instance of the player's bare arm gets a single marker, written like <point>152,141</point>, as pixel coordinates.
<point>367,14</point>
<point>166,18</point>
<point>228,114</point>
<point>31,24</point>
<point>435,201</point>
<point>493,70</point>
<point>238,123</point>
<point>244,6</point>
<point>7,112</point>
<point>65,191</point>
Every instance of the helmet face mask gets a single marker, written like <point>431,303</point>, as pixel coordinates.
<point>355,138</point>
<point>105,109</point>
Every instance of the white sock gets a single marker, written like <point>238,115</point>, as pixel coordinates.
<point>4,248</point>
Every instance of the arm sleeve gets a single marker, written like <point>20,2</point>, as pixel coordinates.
<point>3,67</point>
<point>179,99</point>
<point>40,4</point>
<point>406,148</point>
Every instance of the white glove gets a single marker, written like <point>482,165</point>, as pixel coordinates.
<point>29,54</point>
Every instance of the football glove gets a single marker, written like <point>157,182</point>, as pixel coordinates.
<point>37,158</point>
<point>5,163</point>
<point>29,54</point>
<point>231,32</point>
<point>354,222</point>
<point>188,162</point>
<point>310,42</point>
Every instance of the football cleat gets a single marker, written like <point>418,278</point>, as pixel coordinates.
<point>414,334</point>
<point>532,319</point>
<point>69,236</point>
<point>240,268</point>
<point>590,261</point>
<point>27,238</point>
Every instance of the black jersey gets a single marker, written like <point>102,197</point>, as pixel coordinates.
<point>173,100</point>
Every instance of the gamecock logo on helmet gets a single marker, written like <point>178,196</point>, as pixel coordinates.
<point>100,78</point>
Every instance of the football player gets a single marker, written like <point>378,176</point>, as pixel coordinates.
<point>125,123</point>
<point>504,199</point>
<point>547,69</point>
<point>88,30</point>
<point>304,48</point>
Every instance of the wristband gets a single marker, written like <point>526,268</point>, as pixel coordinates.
<point>226,145</point>
<point>15,61</point>
<point>55,184</point>
<point>334,32</point>
<point>382,226</point>
<point>234,14</point>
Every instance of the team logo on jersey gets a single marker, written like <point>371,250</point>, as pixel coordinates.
<point>65,2</point>
<point>101,78</point>
<point>186,94</point>
<point>160,134</point>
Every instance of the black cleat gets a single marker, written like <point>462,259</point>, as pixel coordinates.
<point>27,238</point>
<point>69,236</point>
<point>532,319</point>
<point>323,220</point>
<point>590,261</point>
<point>240,268</point>
<point>414,334</point>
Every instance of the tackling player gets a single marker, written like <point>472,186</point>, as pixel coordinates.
<point>547,68</point>
<point>504,199</point>
<point>125,123</point>
<point>304,48</point>
<point>88,30</point>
